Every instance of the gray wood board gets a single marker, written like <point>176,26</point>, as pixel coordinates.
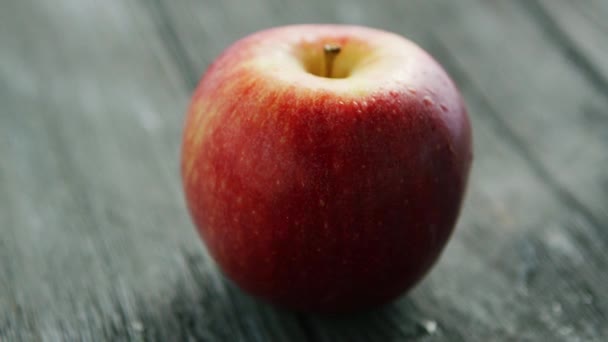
<point>95,241</point>
<point>580,29</point>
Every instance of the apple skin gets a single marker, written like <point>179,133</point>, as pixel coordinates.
<point>325,194</point>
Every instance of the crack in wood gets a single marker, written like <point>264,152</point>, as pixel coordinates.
<point>518,144</point>
<point>172,42</point>
<point>559,37</point>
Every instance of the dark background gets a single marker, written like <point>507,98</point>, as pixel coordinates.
<point>95,241</point>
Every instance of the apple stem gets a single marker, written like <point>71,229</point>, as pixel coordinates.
<point>330,51</point>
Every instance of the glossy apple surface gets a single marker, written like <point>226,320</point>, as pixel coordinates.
<point>325,191</point>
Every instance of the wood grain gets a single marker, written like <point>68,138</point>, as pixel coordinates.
<point>579,30</point>
<point>95,241</point>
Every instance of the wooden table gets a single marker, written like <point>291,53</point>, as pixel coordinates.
<point>95,241</point>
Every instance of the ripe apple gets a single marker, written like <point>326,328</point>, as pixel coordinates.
<point>325,165</point>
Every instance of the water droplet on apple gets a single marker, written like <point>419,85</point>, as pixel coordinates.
<point>341,103</point>
<point>412,90</point>
<point>444,107</point>
<point>427,101</point>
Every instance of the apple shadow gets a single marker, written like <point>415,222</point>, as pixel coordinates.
<point>392,322</point>
<point>202,306</point>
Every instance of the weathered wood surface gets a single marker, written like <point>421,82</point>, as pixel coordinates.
<point>95,242</point>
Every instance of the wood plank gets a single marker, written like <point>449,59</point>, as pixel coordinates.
<point>94,238</point>
<point>539,108</point>
<point>99,245</point>
<point>579,29</point>
<point>541,101</point>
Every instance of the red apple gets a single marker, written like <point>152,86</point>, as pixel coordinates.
<point>325,165</point>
